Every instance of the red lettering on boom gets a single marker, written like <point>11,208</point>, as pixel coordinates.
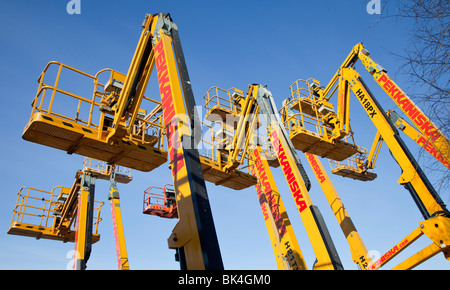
<point>176,158</point>
<point>428,146</point>
<point>271,199</point>
<point>319,174</point>
<point>288,173</point>
<point>261,197</point>
<point>410,109</point>
<point>390,254</point>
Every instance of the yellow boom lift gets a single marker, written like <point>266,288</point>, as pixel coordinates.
<point>71,214</point>
<point>284,242</point>
<point>129,128</point>
<point>64,214</point>
<point>259,102</point>
<point>311,124</point>
<point>417,136</point>
<point>437,222</point>
<point>114,174</point>
<point>358,249</point>
<point>223,109</point>
<point>424,125</point>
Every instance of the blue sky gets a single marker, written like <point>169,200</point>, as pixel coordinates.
<point>226,44</point>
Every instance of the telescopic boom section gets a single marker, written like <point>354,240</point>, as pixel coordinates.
<point>299,183</point>
<point>194,237</point>
<point>418,137</point>
<point>284,243</point>
<point>358,249</point>
<point>422,122</point>
<point>116,214</point>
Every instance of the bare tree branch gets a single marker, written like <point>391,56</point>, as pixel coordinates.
<point>426,63</point>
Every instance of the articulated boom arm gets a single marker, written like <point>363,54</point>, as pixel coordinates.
<point>259,102</point>
<point>194,237</point>
<point>284,243</point>
<point>359,252</point>
<point>347,79</point>
<point>417,136</point>
<point>358,249</point>
<point>155,27</point>
<point>259,98</point>
<point>349,61</point>
<point>422,122</point>
<point>412,177</point>
<point>437,217</point>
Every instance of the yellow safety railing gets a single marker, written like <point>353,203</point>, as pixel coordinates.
<point>103,167</point>
<point>298,90</point>
<point>37,207</point>
<point>305,115</point>
<point>297,120</point>
<point>38,102</point>
<point>355,161</point>
<point>220,101</point>
<point>225,99</point>
<point>211,148</point>
<point>90,111</point>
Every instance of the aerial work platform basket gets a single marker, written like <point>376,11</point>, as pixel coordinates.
<point>305,119</point>
<point>160,201</point>
<point>222,110</point>
<point>213,161</point>
<point>62,118</point>
<point>102,170</point>
<point>36,214</point>
<point>214,173</point>
<point>354,167</point>
<point>66,119</point>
